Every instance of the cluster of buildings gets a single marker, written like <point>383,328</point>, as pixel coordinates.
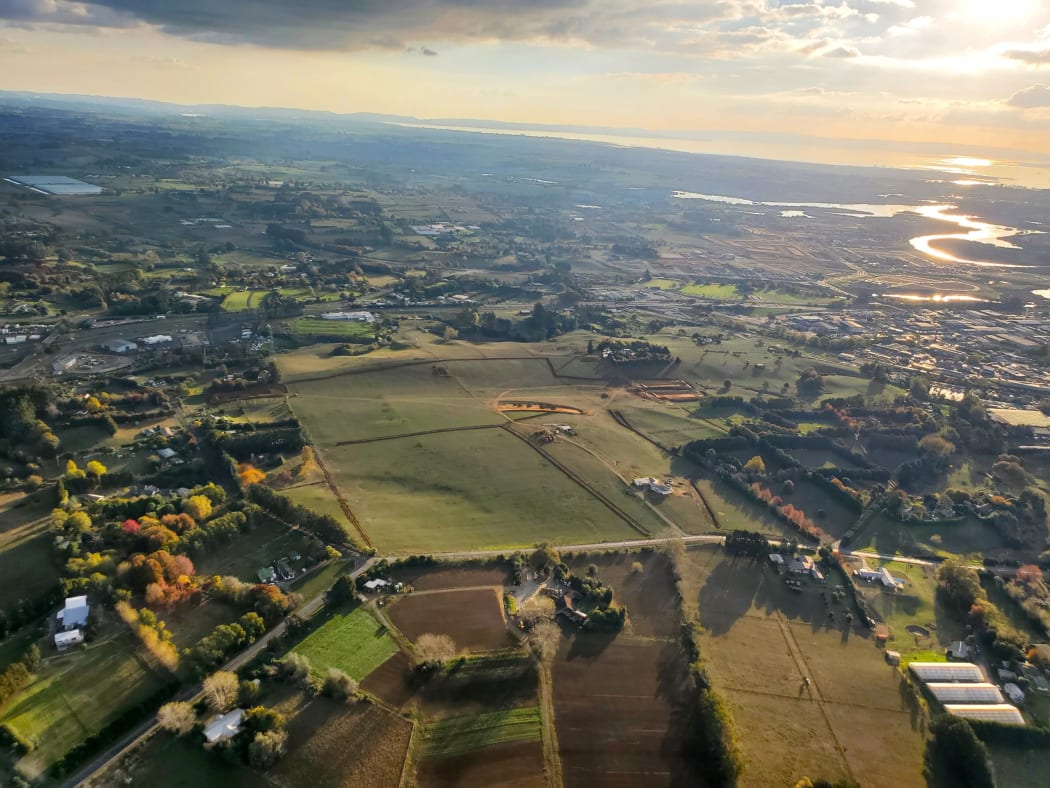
<point>962,689</point>
<point>879,576</point>
<point>16,334</point>
<point>797,565</point>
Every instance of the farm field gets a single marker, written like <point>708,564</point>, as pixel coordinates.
<point>735,512</point>
<point>513,764</point>
<point>475,489</point>
<point>473,618</point>
<point>341,745</point>
<point>319,497</point>
<point>619,702</point>
<point>351,329</point>
<point>883,534</point>
<point>27,565</point>
<point>458,735</point>
<point>75,697</point>
<point>355,643</point>
<point>761,643</point>
<point>1018,767</point>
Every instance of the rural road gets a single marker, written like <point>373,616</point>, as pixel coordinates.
<point>312,606</point>
<point>144,729</point>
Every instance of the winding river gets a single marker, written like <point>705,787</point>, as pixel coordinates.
<point>976,231</point>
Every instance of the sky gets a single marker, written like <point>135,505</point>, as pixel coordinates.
<point>964,73</point>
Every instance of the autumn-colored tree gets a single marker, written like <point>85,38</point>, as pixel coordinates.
<point>755,465</point>
<point>130,526</point>
<point>249,474</point>
<point>221,690</point>
<point>179,523</point>
<point>72,471</point>
<point>92,405</point>
<point>198,507</point>
<point>434,650</point>
<point>177,717</point>
<point>95,468</point>
<point>160,537</point>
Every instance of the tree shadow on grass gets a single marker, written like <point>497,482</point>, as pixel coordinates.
<point>728,594</point>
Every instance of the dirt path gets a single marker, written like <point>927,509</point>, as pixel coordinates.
<point>549,734</point>
<point>810,683</point>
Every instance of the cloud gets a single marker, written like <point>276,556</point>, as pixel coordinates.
<point>1033,57</point>
<point>1031,97</point>
<point>428,52</point>
<point>841,52</point>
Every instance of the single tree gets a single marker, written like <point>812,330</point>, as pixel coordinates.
<point>267,748</point>
<point>434,650</point>
<point>544,639</point>
<point>338,685</point>
<point>177,717</point>
<point>221,690</point>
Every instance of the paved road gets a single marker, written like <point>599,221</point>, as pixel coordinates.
<point>191,694</point>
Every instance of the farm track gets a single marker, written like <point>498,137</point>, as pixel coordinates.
<point>624,422</point>
<point>799,658</point>
<point>581,482</point>
<point>421,361</point>
<point>343,503</point>
<point>438,431</point>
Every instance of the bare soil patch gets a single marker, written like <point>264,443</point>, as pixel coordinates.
<point>429,579</point>
<point>622,711</point>
<point>338,744</point>
<point>472,618</point>
<point>391,682</point>
<point>508,764</point>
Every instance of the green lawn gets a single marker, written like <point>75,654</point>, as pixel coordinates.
<point>75,696</point>
<point>320,498</point>
<point>27,567</point>
<point>310,326</point>
<point>355,643</point>
<point>462,734</point>
<point>238,300</point>
<point>883,534</point>
<point>716,291</point>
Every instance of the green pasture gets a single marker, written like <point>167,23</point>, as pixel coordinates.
<point>355,643</point>
<point>466,490</point>
<point>75,696</point>
<point>457,735</point>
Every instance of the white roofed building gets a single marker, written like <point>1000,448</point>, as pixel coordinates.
<point>74,614</point>
<point>224,726</point>
<point>1001,712</point>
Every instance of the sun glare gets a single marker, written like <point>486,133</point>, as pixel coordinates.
<point>997,11</point>
<point>966,161</point>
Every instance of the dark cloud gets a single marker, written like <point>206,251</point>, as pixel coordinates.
<point>390,24</point>
<point>428,52</point>
<point>1031,98</point>
<point>1034,57</point>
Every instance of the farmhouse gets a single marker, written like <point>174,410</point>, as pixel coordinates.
<point>267,574</point>
<point>75,613</point>
<point>224,726</point>
<point>64,640</point>
<point>879,576</point>
<point>156,340</point>
<point>167,454</point>
<point>378,584</point>
<point>959,650</point>
<point>653,485</point>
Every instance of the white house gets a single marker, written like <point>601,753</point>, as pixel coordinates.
<point>166,453</point>
<point>653,485</point>
<point>75,613</point>
<point>64,640</point>
<point>376,584</point>
<point>224,726</point>
<point>879,576</point>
